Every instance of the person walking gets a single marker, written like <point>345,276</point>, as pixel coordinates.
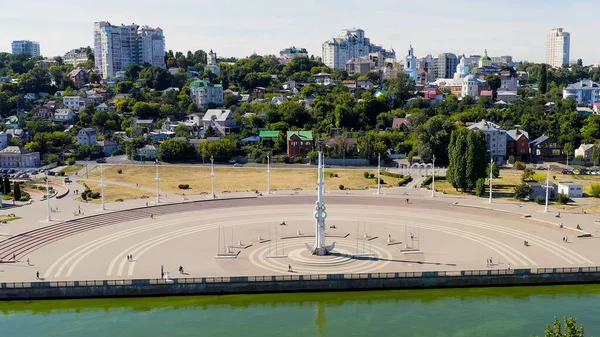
<point>151,216</point>
<point>161,270</point>
<point>289,268</point>
<point>28,262</point>
<point>37,275</point>
<point>509,266</point>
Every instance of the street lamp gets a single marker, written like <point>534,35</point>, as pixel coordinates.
<point>102,185</point>
<point>48,199</point>
<point>433,179</point>
<point>379,174</point>
<point>157,183</point>
<point>87,163</point>
<point>547,188</point>
<point>491,174</point>
<point>212,175</point>
<point>268,174</point>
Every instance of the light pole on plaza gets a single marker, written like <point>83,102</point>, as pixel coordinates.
<point>379,174</point>
<point>48,199</point>
<point>433,179</point>
<point>102,185</point>
<point>212,175</point>
<point>157,183</point>
<point>491,174</point>
<point>268,174</point>
<point>547,188</point>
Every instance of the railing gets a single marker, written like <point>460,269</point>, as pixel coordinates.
<point>297,277</point>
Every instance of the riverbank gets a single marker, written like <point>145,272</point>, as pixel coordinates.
<point>296,283</point>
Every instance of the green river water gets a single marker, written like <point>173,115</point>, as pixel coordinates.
<point>519,311</point>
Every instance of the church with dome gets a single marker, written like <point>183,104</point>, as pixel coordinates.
<point>463,83</point>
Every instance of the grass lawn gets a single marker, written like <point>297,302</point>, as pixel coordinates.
<point>70,170</point>
<point>114,192</point>
<point>237,178</point>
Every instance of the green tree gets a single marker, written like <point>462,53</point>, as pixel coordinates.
<point>495,170</point>
<point>522,192</point>
<point>543,79</point>
<point>569,150</point>
<point>6,185</point>
<point>182,130</point>
<point>456,173</point>
<point>400,89</point>
<point>94,77</point>
<point>527,174</point>
<point>494,82</point>
<point>570,328</point>
<point>480,187</point>
<point>16,191</point>
<point>156,77</point>
<point>596,153</point>
<point>175,150</point>
<point>595,190</point>
<point>229,101</point>
<point>124,87</point>
<point>313,156</point>
<point>209,132</point>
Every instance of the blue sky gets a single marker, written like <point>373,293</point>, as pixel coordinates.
<point>239,28</point>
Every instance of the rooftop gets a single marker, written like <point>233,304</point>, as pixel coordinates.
<point>304,135</point>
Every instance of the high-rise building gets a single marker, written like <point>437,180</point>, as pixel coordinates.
<point>445,67</point>
<point>26,47</point>
<point>118,47</point>
<point>558,46</point>
<point>352,43</point>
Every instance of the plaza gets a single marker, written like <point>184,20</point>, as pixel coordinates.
<point>243,234</point>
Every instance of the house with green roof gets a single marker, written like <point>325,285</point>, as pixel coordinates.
<point>268,135</point>
<point>299,143</point>
<point>204,93</point>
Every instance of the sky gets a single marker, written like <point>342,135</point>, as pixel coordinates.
<point>240,28</point>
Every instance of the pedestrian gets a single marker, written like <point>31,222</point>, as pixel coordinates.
<point>509,266</point>
<point>37,275</point>
<point>162,275</point>
<point>137,185</point>
<point>14,257</point>
<point>130,257</point>
<point>28,262</point>
<point>161,269</point>
<point>151,216</point>
<point>491,263</point>
<point>289,268</point>
<point>407,200</point>
<point>566,239</point>
<point>487,262</point>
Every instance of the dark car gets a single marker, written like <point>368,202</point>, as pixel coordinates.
<point>51,173</point>
<point>101,160</point>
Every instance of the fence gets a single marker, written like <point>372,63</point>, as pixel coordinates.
<point>313,277</point>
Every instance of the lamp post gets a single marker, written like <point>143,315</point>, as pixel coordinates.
<point>379,174</point>
<point>212,175</point>
<point>433,179</point>
<point>547,188</point>
<point>87,163</point>
<point>48,199</point>
<point>157,183</point>
<point>268,174</point>
<point>491,175</point>
<point>102,185</point>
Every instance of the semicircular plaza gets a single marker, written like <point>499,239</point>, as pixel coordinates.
<point>269,236</point>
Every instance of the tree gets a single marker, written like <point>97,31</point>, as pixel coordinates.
<point>494,82</point>
<point>569,150</point>
<point>467,152</point>
<point>124,87</point>
<point>16,191</point>
<point>527,174</point>
<point>522,192</point>
<point>6,185</point>
<point>175,149</point>
<point>229,101</point>
<point>400,89</point>
<point>495,170</point>
<point>182,130</point>
<point>94,77</point>
<point>156,77</point>
<point>480,187</point>
<point>596,154</point>
<point>570,330</point>
<point>209,132</point>
<point>543,79</point>
<point>595,190</point>
<point>313,156</point>
<point>133,72</point>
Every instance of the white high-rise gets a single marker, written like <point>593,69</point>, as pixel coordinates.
<point>118,47</point>
<point>557,49</point>
<point>352,43</point>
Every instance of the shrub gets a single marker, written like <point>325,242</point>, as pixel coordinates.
<point>540,200</point>
<point>480,187</point>
<point>298,160</point>
<point>341,187</point>
<point>25,196</point>
<point>522,192</point>
<point>404,180</point>
<point>17,191</point>
<point>7,197</point>
<point>429,180</point>
<point>286,160</point>
<point>119,200</point>
<point>527,174</point>
<point>330,175</point>
<point>519,166</point>
<point>94,195</point>
<point>184,186</point>
<point>366,174</point>
<point>562,198</point>
<point>71,161</point>
<point>84,196</point>
<point>595,192</point>
<point>336,175</point>
<point>391,174</point>
<point>61,173</point>
<point>381,181</point>
<point>371,175</point>
<point>119,171</point>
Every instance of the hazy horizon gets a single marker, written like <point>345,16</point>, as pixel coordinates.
<point>264,26</point>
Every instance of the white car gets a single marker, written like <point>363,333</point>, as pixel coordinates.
<point>237,165</point>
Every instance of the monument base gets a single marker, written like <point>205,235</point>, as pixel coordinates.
<point>320,252</point>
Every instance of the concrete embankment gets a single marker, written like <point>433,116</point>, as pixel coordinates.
<point>296,283</point>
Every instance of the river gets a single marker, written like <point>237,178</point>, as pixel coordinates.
<point>518,311</point>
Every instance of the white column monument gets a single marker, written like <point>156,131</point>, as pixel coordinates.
<point>320,215</point>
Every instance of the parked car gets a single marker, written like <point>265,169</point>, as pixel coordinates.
<point>237,165</point>
<point>11,171</point>
<point>68,180</point>
<point>51,173</point>
<point>101,160</point>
